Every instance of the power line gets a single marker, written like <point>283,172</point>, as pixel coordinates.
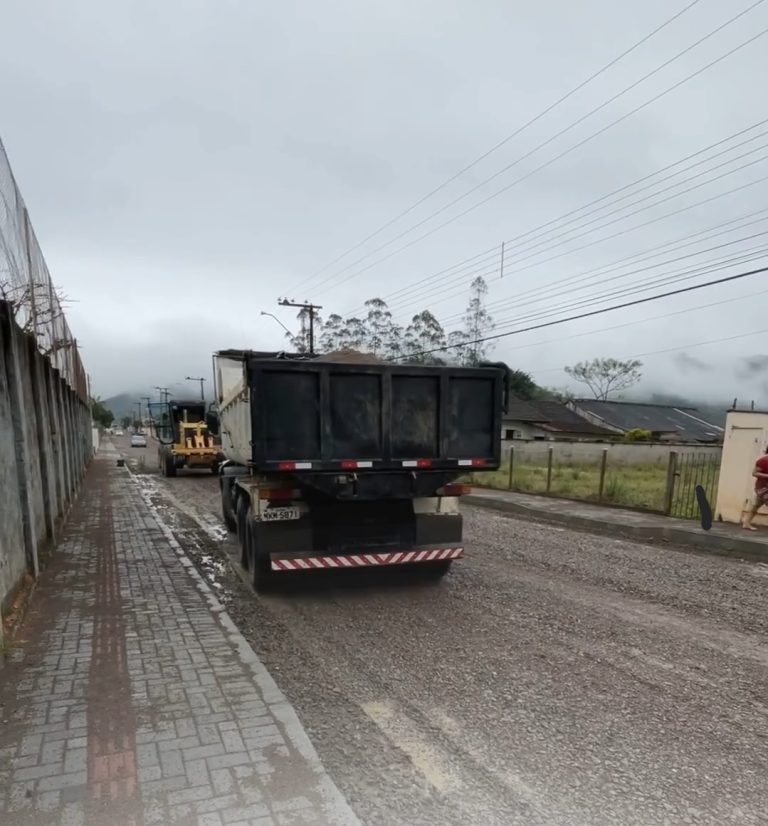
<point>553,242</point>
<point>562,154</point>
<point>654,252</point>
<point>633,303</point>
<point>650,221</point>
<point>511,244</point>
<point>676,276</point>
<point>501,143</point>
<point>640,321</point>
<point>674,349</point>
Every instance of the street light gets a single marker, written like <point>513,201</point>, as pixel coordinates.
<point>201,380</point>
<point>271,315</point>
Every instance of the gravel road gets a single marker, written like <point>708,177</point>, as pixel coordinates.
<point>553,677</point>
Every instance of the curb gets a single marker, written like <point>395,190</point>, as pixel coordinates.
<point>714,543</point>
<point>337,809</point>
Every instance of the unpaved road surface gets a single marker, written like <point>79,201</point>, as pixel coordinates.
<point>553,677</point>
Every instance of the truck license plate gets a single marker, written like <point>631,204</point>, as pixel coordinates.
<point>279,514</point>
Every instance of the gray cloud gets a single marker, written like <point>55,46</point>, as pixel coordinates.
<point>752,366</point>
<point>687,363</point>
<point>185,165</point>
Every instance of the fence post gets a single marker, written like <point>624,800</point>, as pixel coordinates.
<point>550,454</point>
<point>669,493</point>
<point>511,465</point>
<point>603,464</point>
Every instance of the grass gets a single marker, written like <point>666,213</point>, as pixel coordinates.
<point>636,486</point>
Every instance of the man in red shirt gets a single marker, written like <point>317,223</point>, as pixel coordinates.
<point>760,473</point>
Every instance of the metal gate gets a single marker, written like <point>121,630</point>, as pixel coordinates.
<point>687,470</point>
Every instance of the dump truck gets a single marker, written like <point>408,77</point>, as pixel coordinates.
<point>185,441</point>
<point>330,464</point>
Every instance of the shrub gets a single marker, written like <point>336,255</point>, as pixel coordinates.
<point>637,434</point>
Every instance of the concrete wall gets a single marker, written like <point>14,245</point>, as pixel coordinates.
<point>619,453</point>
<point>746,437</point>
<point>45,444</point>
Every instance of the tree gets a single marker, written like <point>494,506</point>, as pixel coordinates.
<point>36,306</point>
<point>555,394</point>
<point>300,341</point>
<point>125,422</point>
<point>522,385</point>
<point>424,339</point>
<point>477,322</point>
<point>100,413</point>
<point>332,334</point>
<point>460,351</point>
<point>378,326</point>
<point>606,376</point>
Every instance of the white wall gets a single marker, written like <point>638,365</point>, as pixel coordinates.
<point>746,436</point>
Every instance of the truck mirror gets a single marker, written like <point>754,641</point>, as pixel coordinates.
<point>212,423</point>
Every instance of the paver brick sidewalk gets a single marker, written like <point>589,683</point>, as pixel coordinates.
<point>130,698</point>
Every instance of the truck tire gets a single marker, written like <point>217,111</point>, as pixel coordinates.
<point>241,525</point>
<point>434,571</point>
<point>262,576</point>
<point>227,512</point>
<point>169,464</point>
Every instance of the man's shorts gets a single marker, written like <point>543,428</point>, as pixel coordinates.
<point>760,497</point>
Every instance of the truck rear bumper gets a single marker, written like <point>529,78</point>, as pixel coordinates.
<point>312,561</point>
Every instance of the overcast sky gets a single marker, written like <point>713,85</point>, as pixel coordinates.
<point>186,163</point>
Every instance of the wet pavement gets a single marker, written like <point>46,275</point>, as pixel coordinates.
<point>553,678</point>
<point>129,698</point>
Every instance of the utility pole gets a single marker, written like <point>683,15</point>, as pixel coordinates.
<point>284,302</point>
<point>163,391</point>
<point>147,399</point>
<point>139,428</point>
<point>201,380</point>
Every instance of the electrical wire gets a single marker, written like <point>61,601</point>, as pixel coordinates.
<point>526,255</point>
<point>675,276</point>
<point>648,254</point>
<point>557,157</point>
<point>674,349</point>
<point>544,229</point>
<point>501,143</point>
<point>495,336</point>
<point>650,221</point>
<point>639,321</point>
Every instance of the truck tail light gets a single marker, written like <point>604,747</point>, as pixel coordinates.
<point>454,490</point>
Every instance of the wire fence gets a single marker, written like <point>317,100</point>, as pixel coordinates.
<point>666,486</point>
<point>26,285</point>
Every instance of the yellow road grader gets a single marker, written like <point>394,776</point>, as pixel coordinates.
<point>185,442</point>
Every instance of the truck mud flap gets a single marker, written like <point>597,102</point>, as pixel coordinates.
<point>308,562</point>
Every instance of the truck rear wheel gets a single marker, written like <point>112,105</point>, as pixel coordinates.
<point>241,525</point>
<point>435,570</point>
<point>262,576</point>
<point>227,512</point>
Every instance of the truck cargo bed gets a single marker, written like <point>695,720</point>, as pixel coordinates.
<point>310,416</point>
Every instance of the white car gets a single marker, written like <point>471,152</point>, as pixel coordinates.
<point>138,440</point>
<point>118,433</point>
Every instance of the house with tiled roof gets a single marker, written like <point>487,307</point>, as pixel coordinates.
<point>549,420</point>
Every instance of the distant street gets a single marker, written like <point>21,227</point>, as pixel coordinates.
<point>553,677</point>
